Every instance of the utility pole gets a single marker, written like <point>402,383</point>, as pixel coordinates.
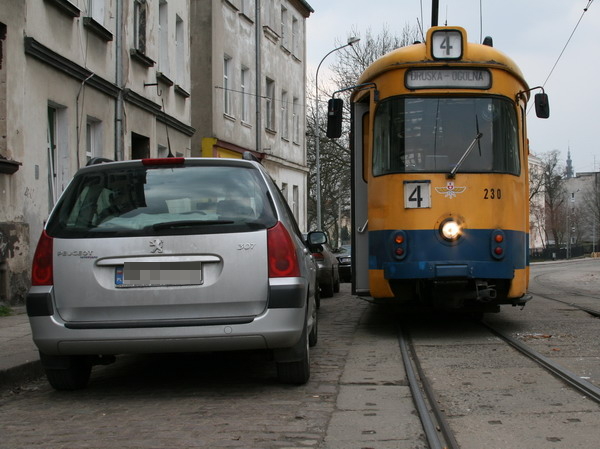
<point>435,7</point>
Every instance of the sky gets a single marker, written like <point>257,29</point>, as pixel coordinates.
<point>532,32</point>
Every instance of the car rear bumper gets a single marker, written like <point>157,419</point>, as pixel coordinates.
<point>278,327</point>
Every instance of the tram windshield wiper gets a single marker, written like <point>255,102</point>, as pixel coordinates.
<point>467,151</point>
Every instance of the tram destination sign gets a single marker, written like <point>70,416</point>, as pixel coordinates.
<point>448,79</point>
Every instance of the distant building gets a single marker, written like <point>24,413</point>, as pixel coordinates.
<point>248,71</point>
<point>81,79</point>
<point>583,201</point>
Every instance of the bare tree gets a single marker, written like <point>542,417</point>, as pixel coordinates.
<point>553,176</point>
<point>335,154</point>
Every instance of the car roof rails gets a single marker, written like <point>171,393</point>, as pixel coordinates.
<point>98,160</point>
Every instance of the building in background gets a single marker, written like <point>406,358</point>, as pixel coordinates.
<point>248,72</point>
<point>81,79</point>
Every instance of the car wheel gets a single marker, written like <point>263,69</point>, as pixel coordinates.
<point>313,337</point>
<point>318,297</point>
<point>296,372</point>
<point>327,289</point>
<point>67,372</point>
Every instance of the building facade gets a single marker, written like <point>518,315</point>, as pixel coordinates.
<point>248,71</point>
<point>81,79</point>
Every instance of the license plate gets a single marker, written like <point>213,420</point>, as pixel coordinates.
<point>149,274</point>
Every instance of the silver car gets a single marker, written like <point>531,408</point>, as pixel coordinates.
<point>171,255</point>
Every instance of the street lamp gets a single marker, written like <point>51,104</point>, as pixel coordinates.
<point>351,41</point>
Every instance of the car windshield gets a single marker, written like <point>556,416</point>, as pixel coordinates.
<point>187,199</point>
<point>423,134</point>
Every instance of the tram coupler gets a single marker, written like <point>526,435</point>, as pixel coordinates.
<point>485,292</point>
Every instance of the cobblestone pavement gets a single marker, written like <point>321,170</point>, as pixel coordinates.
<point>189,401</point>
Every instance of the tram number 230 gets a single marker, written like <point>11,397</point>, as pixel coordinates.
<point>492,194</point>
<point>417,194</point>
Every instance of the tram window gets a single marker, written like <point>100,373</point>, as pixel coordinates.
<point>424,134</point>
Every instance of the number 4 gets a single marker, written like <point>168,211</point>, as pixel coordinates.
<point>416,196</point>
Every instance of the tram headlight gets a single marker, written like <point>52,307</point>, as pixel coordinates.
<point>450,229</point>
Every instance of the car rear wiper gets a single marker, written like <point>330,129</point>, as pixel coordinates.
<point>188,223</point>
<point>467,151</point>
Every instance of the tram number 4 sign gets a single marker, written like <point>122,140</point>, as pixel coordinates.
<point>417,194</point>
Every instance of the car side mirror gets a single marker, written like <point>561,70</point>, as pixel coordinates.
<point>315,240</point>
<point>335,110</point>
<point>542,107</point>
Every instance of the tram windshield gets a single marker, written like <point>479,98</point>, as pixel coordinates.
<point>425,134</point>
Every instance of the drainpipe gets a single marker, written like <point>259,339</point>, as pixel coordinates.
<point>119,154</point>
<point>258,77</point>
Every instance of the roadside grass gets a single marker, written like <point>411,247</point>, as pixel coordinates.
<point>5,310</point>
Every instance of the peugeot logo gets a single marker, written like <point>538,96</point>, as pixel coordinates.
<point>156,245</point>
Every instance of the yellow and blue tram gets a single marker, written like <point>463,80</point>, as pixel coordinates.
<point>440,174</point>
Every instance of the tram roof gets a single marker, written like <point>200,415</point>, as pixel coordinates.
<point>419,55</point>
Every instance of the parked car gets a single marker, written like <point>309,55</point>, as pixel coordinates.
<point>171,255</point>
<point>344,257</point>
<point>328,274</point>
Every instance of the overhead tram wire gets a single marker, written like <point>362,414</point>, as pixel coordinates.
<point>566,45</point>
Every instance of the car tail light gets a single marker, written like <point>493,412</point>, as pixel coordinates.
<point>318,256</point>
<point>281,253</point>
<point>42,272</point>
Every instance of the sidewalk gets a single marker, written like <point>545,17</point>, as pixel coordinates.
<point>19,358</point>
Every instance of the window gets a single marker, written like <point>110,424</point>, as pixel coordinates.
<point>295,37</point>
<point>163,43</point>
<point>432,134</point>
<point>179,50</point>
<point>284,115</point>
<point>269,105</point>
<point>93,138</point>
<point>139,25</point>
<point>226,85</point>
<point>96,10</point>
<point>284,191</point>
<point>58,152</point>
<point>284,32</point>
<point>244,88</point>
<point>296,120</point>
<point>140,146</point>
<point>247,8</point>
<point>295,202</point>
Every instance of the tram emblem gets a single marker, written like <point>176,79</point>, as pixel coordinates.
<point>450,191</point>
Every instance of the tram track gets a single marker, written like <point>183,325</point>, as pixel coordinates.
<point>431,398</point>
<point>435,425</point>
<point>572,379</point>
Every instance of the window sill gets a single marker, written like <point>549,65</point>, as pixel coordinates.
<point>8,167</point>
<point>97,29</point>
<point>181,91</point>
<point>160,76</point>
<point>140,57</point>
<point>66,7</point>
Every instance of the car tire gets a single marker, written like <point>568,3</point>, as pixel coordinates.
<point>327,289</point>
<point>317,297</point>
<point>73,375</point>
<point>296,372</point>
<point>313,337</point>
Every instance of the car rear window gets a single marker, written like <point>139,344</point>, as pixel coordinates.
<point>163,200</point>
